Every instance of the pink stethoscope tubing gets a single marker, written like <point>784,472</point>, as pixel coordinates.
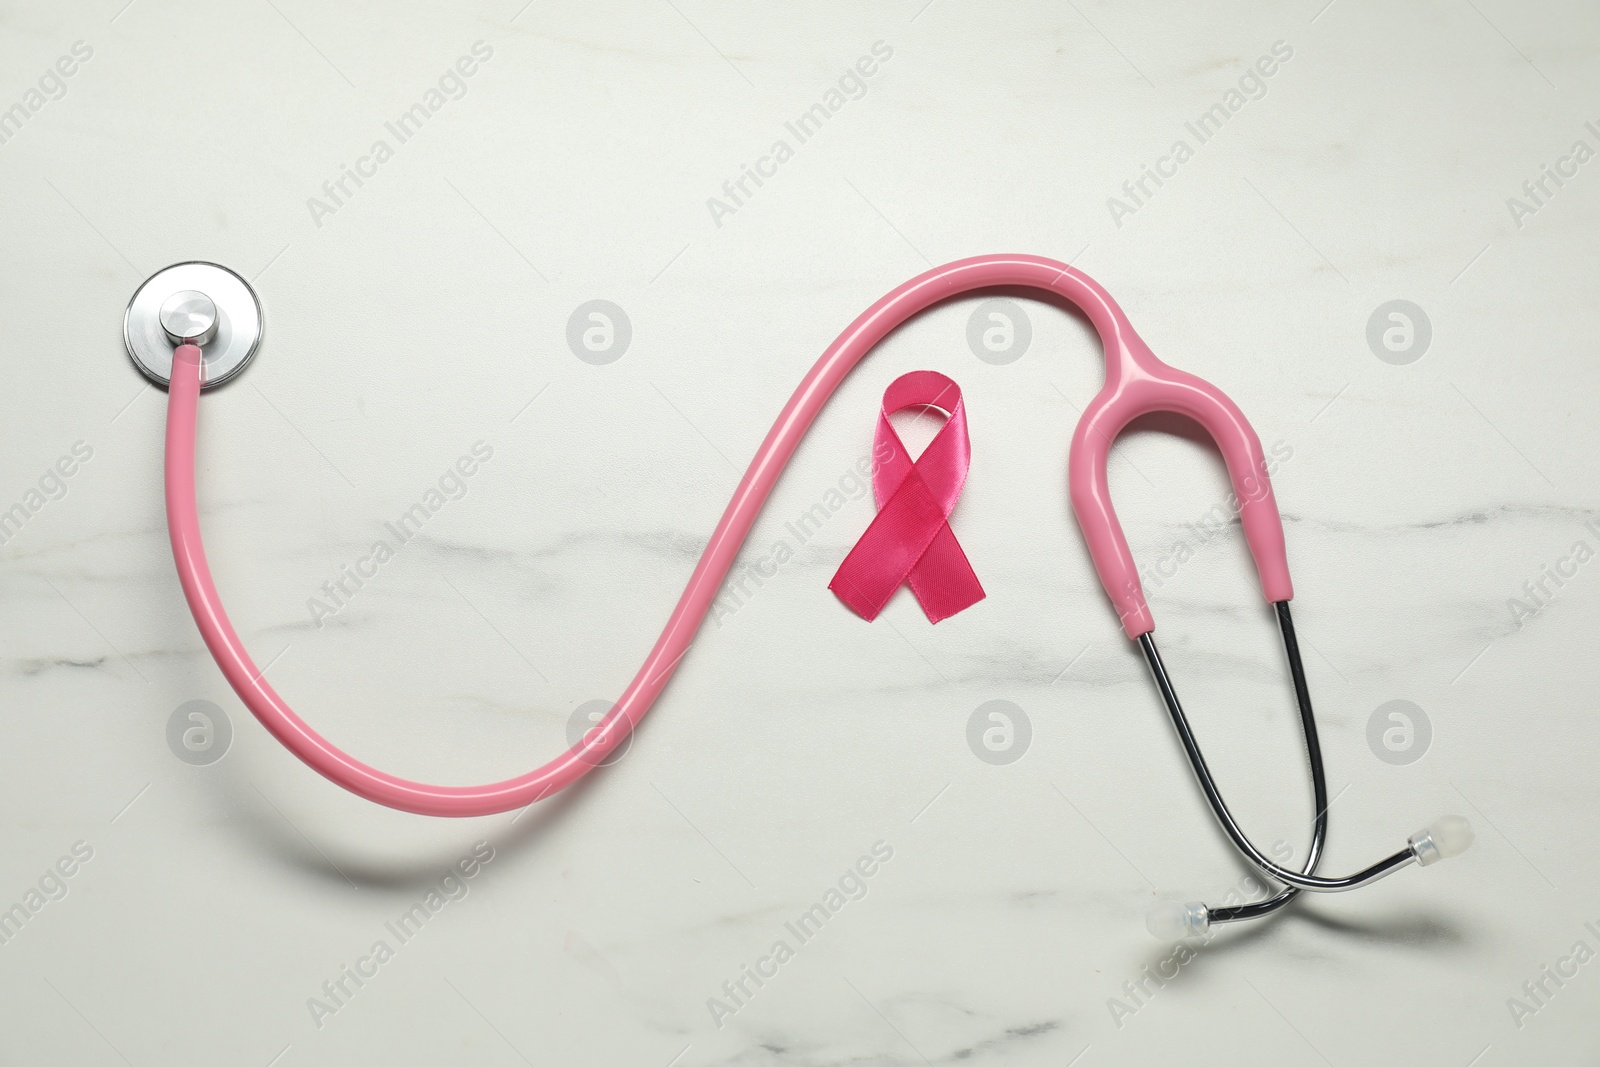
<point>1136,383</point>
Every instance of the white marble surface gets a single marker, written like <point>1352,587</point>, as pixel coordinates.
<point>429,309</point>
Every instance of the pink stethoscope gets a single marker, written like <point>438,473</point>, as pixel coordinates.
<point>190,307</point>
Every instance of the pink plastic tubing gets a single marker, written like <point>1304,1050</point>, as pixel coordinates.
<point>1136,383</point>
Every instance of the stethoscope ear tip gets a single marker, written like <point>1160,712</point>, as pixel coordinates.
<point>1170,921</point>
<point>1449,835</point>
<point>1446,836</point>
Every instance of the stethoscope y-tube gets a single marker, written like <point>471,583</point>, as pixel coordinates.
<point>1136,383</point>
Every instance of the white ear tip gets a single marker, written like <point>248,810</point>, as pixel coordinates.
<point>1452,833</point>
<point>1446,836</point>
<point>1171,921</point>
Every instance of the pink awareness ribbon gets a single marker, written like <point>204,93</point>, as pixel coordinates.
<point>910,541</point>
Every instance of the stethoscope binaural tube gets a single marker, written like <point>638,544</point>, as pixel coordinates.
<point>1447,836</point>
<point>1136,382</point>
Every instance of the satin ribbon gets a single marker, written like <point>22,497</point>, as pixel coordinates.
<point>910,541</point>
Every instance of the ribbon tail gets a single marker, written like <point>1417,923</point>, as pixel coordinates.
<point>943,580</point>
<point>895,540</point>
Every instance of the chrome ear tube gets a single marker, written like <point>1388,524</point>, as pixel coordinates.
<point>1447,836</point>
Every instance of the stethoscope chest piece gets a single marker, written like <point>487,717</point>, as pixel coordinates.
<point>193,303</point>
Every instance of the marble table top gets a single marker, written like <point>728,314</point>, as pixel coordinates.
<point>594,247</point>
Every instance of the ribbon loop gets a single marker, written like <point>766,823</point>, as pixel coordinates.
<point>909,541</point>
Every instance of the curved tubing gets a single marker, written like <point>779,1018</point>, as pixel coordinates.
<point>1148,385</point>
<point>1307,879</point>
<point>1135,379</point>
<point>1319,776</point>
